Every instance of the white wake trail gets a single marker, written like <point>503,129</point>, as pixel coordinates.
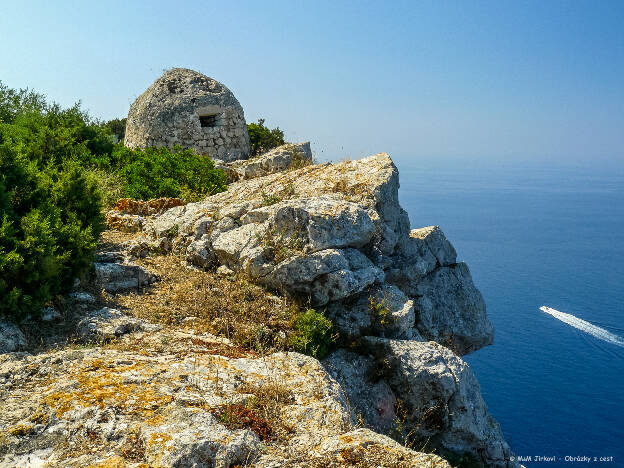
<point>587,327</point>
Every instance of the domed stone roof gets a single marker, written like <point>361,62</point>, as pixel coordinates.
<point>184,107</point>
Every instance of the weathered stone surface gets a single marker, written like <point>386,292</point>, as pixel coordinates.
<point>194,439</point>
<point>370,398</point>
<point>288,156</point>
<point>440,396</point>
<point>128,215</point>
<point>437,243</point>
<point>104,405</point>
<point>11,337</point>
<point>328,233</point>
<point>82,297</point>
<point>184,107</point>
<point>361,447</point>
<point>113,277</point>
<point>382,311</point>
<point>336,237</point>
<point>451,310</point>
<point>107,323</point>
<point>124,222</point>
<point>50,314</point>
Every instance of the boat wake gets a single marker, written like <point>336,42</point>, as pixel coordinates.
<point>587,327</point>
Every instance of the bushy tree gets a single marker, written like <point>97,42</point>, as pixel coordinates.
<point>12,102</point>
<point>262,138</point>
<point>52,161</point>
<point>117,127</point>
<point>49,225</point>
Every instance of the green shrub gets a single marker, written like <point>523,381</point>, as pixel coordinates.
<point>117,127</point>
<point>110,184</point>
<point>262,138</point>
<point>50,135</point>
<point>312,334</point>
<point>160,172</point>
<point>57,168</point>
<point>50,221</point>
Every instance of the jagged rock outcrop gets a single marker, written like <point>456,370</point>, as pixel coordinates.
<point>336,236</point>
<point>333,236</point>
<point>431,391</point>
<point>329,233</point>
<point>282,158</point>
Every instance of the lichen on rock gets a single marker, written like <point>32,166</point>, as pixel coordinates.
<point>328,236</point>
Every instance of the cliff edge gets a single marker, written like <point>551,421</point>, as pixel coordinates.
<point>330,236</point>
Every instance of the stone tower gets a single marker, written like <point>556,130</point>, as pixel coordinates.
<point>184,107</point>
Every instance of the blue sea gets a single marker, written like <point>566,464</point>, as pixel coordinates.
<point>535,235</point>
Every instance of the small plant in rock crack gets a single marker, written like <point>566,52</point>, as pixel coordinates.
<point>299,160</point>
<point>288,191</point>
<point>268,200</point>
<point>312,334</point>
<point>237,416</point>
<point>173,231</point>
<point>279,245</point>
<point>380,312</point>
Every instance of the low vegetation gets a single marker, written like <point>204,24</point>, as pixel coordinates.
<point>59,169</point>
<point>228,306</point>
<point>312,334</point>
<point>50,222</point>
<point>262,412</point>
<point>262,138</point>
<point>160,172</point>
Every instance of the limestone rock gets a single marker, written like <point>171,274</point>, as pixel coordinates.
<point>370,398</point>
<point>113,277</point>
<point>193,438</point>
<point>440,397</point>
<point>184,107</point>
<point>103,406</point>
<point>451,310</point>
<point>383,310</point>
<point>50,314</point>
<point>437,243</point>
<point>124,222</point>
<point>361,447</point>
<point>107,323</point>
<point>130,206</point>
<point>335,234</point>
<point>128,215</point>
<point>11,337</point>
<point>82,297</point>
<point>288,156</point>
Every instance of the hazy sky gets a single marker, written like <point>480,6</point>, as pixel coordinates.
<point>505,80</point>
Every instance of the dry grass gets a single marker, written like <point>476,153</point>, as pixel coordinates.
<point>134,447</point>
<point>112,239</point>
<point>231,307</point>
<point>263,413</point>
<point>235,416</point>
<point>299,161</point>
<point>370,455</point>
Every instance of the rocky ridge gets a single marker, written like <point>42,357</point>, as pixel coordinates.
<point>330,235</point>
